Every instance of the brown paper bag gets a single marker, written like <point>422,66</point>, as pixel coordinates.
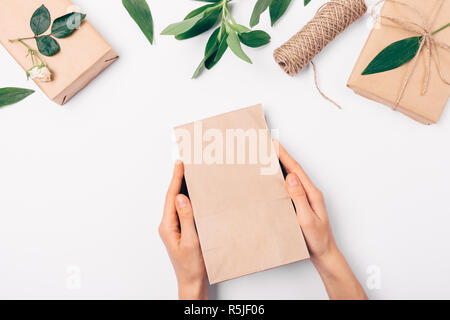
<point>385,87</point>
<point>245,218</point>
<point>83,55</point>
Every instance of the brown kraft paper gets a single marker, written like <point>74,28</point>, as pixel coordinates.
<point>245,218</point>
<point>385,87</point>
<point>83,55</point>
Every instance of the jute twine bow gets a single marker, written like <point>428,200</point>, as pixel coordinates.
<point>330,20</point>
<point>428,42</point>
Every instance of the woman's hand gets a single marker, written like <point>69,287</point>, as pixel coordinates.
<point>312,216</point>
<point>178,232</point>
<point>310,206</point>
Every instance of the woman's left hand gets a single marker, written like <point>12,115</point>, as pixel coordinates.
<point>178,232</point>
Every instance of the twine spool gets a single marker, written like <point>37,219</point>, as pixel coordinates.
<point>331,20</point>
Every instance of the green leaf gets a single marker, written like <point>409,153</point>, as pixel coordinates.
<point>255,38</point>
<point>183,26</point>
<point>239,28</point>
<point>141,14</point>
<point>207,22</point>
<point>10,96</point>
<point>213,59</point>
<point>218,42</point>
<point>235,46</point>
<point>394,55</point>
<point>215,48</point>
<point>210,50</point>
<point>47,45</point>
<point>199,69</point>
<point>260,7</point>
<point>40,21</point>
<point>64,26</point>
<point>213,40</point>
<point>199,10</point>
<point>201,66</point>
<point>277,8</point>
<point>306,2</point>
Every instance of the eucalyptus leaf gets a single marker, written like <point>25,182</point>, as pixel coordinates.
<point>40,21</point>
<point>207,22</point>
<point>260,7</point>
<point>183,26</point>
<point>218,40</point>
<point>277,8</point>
<point>199,10</point>
<point>141,14</point>
<point>209,51</point>
<point>10,96</point>
<point>235,45</point>
<point>199,69</point>
<point>47,46</point>
<point>255,38</point>
<point>395,55</point>
<point>213,40</point>
<point>223,46</point>
<point>306,2</point>
<point>64,26</point>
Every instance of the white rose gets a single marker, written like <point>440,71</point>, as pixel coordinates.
<point>42,73</point>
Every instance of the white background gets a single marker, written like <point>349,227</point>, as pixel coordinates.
<point>82,186</point>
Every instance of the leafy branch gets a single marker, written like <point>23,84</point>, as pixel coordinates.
<point>229,34</point>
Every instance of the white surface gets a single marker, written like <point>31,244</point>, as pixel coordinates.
<point>82,186</point>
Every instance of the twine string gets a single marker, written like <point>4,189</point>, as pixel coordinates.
<point>318,88</point>
<point>330,20</point>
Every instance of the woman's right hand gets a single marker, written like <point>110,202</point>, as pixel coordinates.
<point>312,216</point>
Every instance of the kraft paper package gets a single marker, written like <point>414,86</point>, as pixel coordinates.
<point>83,55</point>
<point>245,219</point>
<point>385,87</point>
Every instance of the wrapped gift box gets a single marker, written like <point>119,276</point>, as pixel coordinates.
<point>385,87</point>
<point>83,55</point>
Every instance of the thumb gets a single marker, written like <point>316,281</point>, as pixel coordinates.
<point>298,194</point>
<point>186,216</point>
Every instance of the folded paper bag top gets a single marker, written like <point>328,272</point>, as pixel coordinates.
<point>82,57</point>
<point>245,218</point>
<point>386,87</point>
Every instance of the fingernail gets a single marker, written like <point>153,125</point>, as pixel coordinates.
<point>181,202</point>
<point>292,180</point>
<point>178,162</point>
